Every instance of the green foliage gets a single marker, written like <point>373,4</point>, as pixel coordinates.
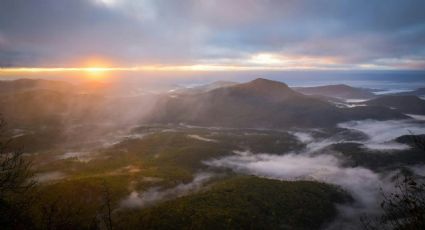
<point>245,203</point>
<point>377,160</point>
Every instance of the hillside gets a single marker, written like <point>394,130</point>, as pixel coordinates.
<point>404,104</point>
<point>202,88</point>
<point>258,104</point>
<point>22,85</point>
<point>48,107</point>
<point>337,91</point>
<point>247,203</point>
<point>417,92</point>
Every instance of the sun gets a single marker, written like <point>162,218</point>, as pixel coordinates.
<point>266,59</point>
<point>95,68</point>
<point>96,73</point>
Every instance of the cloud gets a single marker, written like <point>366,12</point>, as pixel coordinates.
<point>155,194</point>
<point>197,137</point>
<point>316,163</point>
<point>378,135</point>
<point>363,184</point>
<point>48,176</point>
<point>137,32</point>
<point>417,117</point>
<point>326,168</point>
<point>303,136</point>
<point>382,134</point>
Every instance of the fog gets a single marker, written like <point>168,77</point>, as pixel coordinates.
<point>90,124</point>
<point>49,176</point>
<point>327,168</point>
<point>316,162</point>
<point>363,184</point>
<point>197,137</point>
<point>381,134</point>
<point>79,156</point>
<point>417,117</point>
<point>154,194</point>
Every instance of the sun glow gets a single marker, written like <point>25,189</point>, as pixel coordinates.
<point>95,68</point>
<point>96,73</point>
<point>266,59</point>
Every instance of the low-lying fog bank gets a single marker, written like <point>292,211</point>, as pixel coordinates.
<point>381,134</point>
<point>318,163</point>
<point>155,194</point>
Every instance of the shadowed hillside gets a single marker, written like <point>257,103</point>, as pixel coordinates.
<point>405,104</point>
<point>338,91</point>
<point>259,104</point>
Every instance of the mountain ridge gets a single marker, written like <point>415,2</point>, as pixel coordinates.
<point>260,103</point>
<point>337,91</point>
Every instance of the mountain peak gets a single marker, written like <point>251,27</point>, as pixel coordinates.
<point>266,84</point>
<point>264,81</point>
<point>266,88</point>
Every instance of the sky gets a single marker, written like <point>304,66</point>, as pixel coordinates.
<point>211,35</point>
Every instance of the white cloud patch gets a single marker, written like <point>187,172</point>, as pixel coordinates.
<point>303,136</point>
<point>197,137</point>
<point>141,199</point>
<point>382,133</point>
<point>48,176</point>
<point>418,169</point>
<point>417,117</point>
<point>79,156</point>
<point>355,100</point>
<point>326,168</point>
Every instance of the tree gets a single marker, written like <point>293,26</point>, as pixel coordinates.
<point>15,183</point>
<point>403,209</point>
<point>106,210</point>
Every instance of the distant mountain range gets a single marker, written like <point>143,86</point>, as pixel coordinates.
<point>29,102</point>
<point>405,104</point>
<point>22,85</point>
<point>203,88</point>
<point>260,103</point>
<point>418,92</point>
<point>336,91</point>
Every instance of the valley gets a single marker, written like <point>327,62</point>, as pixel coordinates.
<point>207,153</point>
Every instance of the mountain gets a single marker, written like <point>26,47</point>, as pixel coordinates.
<point>269,204</point>
<point>337,91</point>
<point>416,141</point>
<point>418,92</point>
<point>259,104</point>
<point>22,85</point>
<point>203,88</point>
<point>405,104</point>
<point>45,107</point>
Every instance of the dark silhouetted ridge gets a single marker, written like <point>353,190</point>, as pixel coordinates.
<point>338,91</point>
<point>405,104</point>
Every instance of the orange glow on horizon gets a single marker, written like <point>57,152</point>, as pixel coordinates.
<point>271,65</point>
<point>156,68</point>
<point>96,73</point>
<point>100,67</point>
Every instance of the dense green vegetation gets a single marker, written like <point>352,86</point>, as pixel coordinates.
<point>165,158</point>
<point>245,203</point>
<point>356,155</point>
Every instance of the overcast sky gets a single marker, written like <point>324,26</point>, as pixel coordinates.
<point>312,34</point>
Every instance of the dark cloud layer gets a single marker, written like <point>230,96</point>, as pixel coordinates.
<point>137,32</point>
